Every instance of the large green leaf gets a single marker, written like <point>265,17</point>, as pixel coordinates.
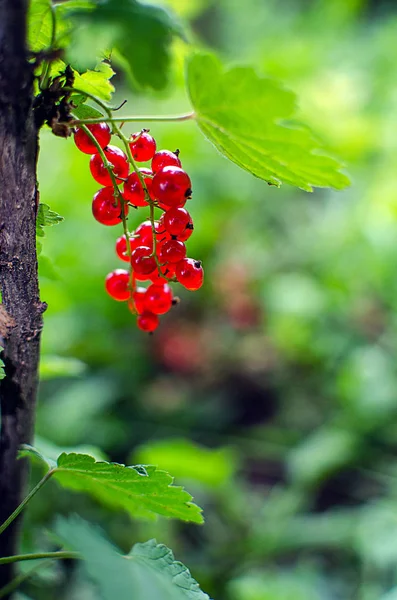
<point>142,491</point>
<point>39,25</point>
<point>149,572</point>
<point>96,82</point>
<point>141,35</point>
<point>249,120</point>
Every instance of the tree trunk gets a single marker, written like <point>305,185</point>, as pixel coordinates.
<point>21,310</point>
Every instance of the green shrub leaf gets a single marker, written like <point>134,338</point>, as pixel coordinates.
<point>96,82</point>
<point>248,118</point>
<point>148,572</point>
<point>39,25</point>
<point>143,491</point>
<point>128,25</point>
<point>46,218</point>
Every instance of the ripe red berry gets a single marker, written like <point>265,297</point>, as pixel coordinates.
<point>157,277</point>
<point>176,220</point>
<point>106,208</point>
<point>121,247</point>
<point>158,298</point>
<point>172,251</point>
<point>144,231</point>
<point>133,190</point>
<point>137,303</point>
<point>117,158</point>
<point>183,237</point>
<point>147,321</point>
<point>165,158</point>
<point>171,186</point>
<point>189,273</point>
<point>168,270</point>
<point>117,285</point>
<point>100,131</point>
<point>142,262</point>
<point>143,146</point>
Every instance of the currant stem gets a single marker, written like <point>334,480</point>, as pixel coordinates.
<point>37,555</point>
<point>148,199</point>
<point>95,99</point>
<point>24,502</point>
<point>137,119</point>
<point>115,186</point>
<point>46,69</point>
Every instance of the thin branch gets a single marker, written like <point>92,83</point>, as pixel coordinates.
<point>37,555</point>
<point>137,119</point>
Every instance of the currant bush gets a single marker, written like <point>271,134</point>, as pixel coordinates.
<point>155,250</point>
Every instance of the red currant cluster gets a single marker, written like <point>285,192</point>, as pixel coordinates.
<point>156,250</point>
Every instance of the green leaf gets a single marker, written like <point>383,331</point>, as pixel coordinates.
<point>39,25</point>
<point>149,572</point>
<point>96,82</point>
<point>142,491</point>
<point>183,458</point>
<point>248,118</point>
<point>46,218</point>
<point>2,365</point>
<point>128,25</point>
<point>85,111</point>
<point>36,456</point>
<point>157,558</point>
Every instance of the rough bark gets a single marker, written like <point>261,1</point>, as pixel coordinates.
<point>21,312</point>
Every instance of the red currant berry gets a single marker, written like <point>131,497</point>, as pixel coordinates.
<point>106,208</point>
<point>100,131</point>
<point>117,285</point>
<point>144,230</point>
<point>157,277</point>
<point>167,207</point>
<point>168,270</point>
<point>183,237</point>
<point>133,190</point>
<point>143,146</point>
<point>172,251</point>
<point>147,321</point>
<point>137,303</point>
<point>121,247</point>
<point>165,158</point>
<point>158,298</point>
<point>116,158</point>
<point>142,262</point>
<point>176,220</point>
<point>171,186</point>
<point>189,273</point>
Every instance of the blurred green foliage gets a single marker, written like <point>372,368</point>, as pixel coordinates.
<point>286,357</point>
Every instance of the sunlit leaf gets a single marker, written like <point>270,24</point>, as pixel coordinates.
<point>96,82</point>
<point>248,118</point>
<point>39,25</point>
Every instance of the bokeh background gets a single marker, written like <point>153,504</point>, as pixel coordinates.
<point>271,393</point>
